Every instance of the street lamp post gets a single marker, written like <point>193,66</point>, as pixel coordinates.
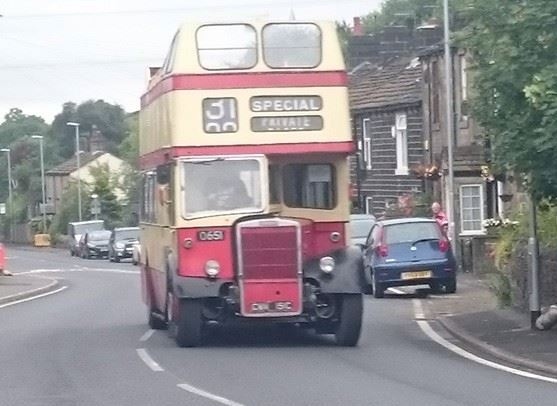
<point>10,201</point>
<point>77,150</point>
<point>450,119</point>
<point>40,138</point>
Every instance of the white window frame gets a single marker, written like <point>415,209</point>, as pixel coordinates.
<point>366,143</point>
<point>369,205</point>
<point>400,134</point>
<point>482,213</point>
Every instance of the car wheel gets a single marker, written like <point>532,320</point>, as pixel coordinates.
<point>436,287</point>
<point>116,259</point>
<point>187,323</point>
<point>110,258</point>
<point>348,330</point>
<point>378,288</point>
<point>450,285</point>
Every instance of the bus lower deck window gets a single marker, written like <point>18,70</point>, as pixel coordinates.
<point>309,186</point>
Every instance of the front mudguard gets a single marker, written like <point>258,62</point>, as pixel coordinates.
<point>347,277</point>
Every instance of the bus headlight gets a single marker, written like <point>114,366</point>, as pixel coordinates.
<point>212,268</point>
<point>327,264</point>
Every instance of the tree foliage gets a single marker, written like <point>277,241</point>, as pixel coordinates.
<point>108,118</point>
<point>104,185</point>
<point>514,44</point>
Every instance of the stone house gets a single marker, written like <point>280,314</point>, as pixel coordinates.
<point>387,119</point>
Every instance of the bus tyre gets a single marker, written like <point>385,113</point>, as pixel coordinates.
<point>188,323</point>
<point>349,327</point>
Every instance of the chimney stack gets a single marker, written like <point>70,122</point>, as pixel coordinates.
<point>358,30</point>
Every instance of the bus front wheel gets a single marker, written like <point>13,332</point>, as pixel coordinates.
<point>188,323</point>
<point>349,326</point>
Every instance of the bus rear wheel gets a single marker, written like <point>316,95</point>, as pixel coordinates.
<point>349,326</point>
<point>187,323</point>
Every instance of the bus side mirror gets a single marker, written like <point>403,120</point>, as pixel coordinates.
<point>163,174</point>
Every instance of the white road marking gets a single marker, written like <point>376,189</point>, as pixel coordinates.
<point>208,395</point>
<point>418,309</point>
<point>147,335</point>
<point>150,362</point>
<point>397,291</point>
<point>28,299</point>
<point>426,328</point>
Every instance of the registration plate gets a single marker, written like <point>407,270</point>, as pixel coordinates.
<point>271,307</point>
<point>416,275</point>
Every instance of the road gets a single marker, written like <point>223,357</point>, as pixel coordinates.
<point>90,345</point>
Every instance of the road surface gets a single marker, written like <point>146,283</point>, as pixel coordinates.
<point>90,345</point>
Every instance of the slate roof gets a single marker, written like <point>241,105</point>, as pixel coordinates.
<point>393,84</point>
<point>65,168</point>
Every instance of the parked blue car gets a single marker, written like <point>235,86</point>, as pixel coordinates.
<point>408,252</point>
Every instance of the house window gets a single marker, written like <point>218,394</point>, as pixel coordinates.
<point>435,92</point>
<point>471,209</point>
<point>369,205</point>
<point>366,129</point>
<point>401,137</point>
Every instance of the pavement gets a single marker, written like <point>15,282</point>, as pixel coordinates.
<point>475,319</point>
<point>18,287</point>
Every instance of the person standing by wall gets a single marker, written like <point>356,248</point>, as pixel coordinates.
<point>440,216</point>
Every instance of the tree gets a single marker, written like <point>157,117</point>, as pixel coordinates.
<point>104,184</point>
<point>108,118</point>
<point>514,44</point>
<point>17,125</point>
<point>129,148</point>
<point>68,210</point>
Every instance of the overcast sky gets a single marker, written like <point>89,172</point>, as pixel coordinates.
<point>53,51</point>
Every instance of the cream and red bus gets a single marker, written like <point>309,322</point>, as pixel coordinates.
<point>244,143</point>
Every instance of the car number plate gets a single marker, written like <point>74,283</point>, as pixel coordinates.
<point>416,275</point>
<point>271,307</point>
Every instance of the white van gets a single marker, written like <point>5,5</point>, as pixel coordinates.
<point>77,228</point>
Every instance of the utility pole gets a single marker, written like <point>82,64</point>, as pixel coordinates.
<point>534,251</point>
<point>449,119</point>
<point>40,138</point>
<point>10,200</point>
<point>77,152</point>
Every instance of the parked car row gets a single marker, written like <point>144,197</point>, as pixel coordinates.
<point>404,252</point>
<point>93,241</point>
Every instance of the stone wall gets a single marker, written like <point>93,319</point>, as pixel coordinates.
<point>519,271</point>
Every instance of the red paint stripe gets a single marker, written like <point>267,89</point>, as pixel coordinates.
<point>246,80</point>
<point>161,156</point>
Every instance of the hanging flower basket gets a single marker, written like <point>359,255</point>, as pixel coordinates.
<point>430,172</point>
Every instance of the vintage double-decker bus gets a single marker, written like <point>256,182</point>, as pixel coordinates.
<point>244,142</point>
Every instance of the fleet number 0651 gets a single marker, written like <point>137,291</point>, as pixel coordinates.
<point>216,235</point>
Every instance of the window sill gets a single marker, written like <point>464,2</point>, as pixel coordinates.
<point>472,233</point>
<point>401,172</point>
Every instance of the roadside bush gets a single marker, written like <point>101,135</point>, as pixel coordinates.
<point>509,282</point>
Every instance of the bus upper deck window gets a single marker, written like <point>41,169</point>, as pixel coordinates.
<point>292,45</point>
<point>227,46</point>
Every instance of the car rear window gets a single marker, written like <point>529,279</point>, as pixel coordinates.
<point>410,232</point>
<point>360,228</point>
